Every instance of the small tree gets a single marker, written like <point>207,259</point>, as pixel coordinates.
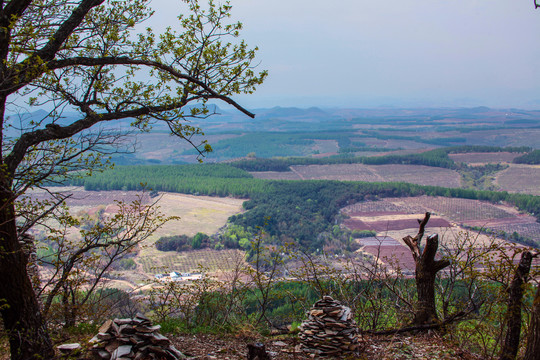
<point>84,56</point>
<point>79,264</point>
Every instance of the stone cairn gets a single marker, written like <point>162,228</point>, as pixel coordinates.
<point>133,339</point>
<point>329,330</point>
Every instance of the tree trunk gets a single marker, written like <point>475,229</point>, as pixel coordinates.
<point>425,312</point>
<point>513,313</point>
<point>533,339</point>
<point>28,337</point>
<point>426,270</point>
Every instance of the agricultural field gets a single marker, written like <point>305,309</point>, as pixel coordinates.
<point>395,218</point>
<point>523,179</point>
<point>502,157</point>
<point>163,148</point>
<point>192,261</point>
<point>197,214</point>
<point>415,174</point>
<point>504,137</point>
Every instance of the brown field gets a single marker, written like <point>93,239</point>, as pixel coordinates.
<point>484,158</point>
<point>397,256</point>
<point>351,172</point>
<point>369,173</point>
<point>395,218</point>
<point>502,137</point>
<point>460,210</point>
<point>520,179</point>
<point>389,225</point>
<point>197,213</point>
<point>418,174</point>
<point>276,175</point>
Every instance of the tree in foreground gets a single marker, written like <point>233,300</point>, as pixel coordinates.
<point>85,56</point>
<point>426,271</point>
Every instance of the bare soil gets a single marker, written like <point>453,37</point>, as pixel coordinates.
<point>209,347</point>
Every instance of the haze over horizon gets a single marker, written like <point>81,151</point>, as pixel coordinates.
<point>419,53</point>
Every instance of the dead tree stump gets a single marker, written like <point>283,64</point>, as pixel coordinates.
<point>426,270</point>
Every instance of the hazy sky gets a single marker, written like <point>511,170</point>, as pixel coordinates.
<point>358,53</point>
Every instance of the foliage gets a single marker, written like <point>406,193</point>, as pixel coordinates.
<point>358,234</point>
<point>79,264</point>
<point>88,62</point>
<point>532,158</point>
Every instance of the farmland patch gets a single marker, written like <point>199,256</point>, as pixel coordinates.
<point>523,179</point>
<point>394,218</point>
<point>483,158</point>
<point>415,174</point>
<point>192,261</point>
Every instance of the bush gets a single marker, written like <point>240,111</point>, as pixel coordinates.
<point>357,234</point>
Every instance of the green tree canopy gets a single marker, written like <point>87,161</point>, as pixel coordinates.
<point>89,58</point>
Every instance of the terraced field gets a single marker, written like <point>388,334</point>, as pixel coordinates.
<point>394,218</point>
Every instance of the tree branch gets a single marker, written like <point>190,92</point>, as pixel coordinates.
<point>65,30</point>
<point>124,60</point>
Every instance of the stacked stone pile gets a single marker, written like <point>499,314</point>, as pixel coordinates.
<point>133,339</point>
<point>329,330</point>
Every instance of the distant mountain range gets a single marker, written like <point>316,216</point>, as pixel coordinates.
<point>288,118</point>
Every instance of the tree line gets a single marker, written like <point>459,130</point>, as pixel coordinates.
<point>300,210</point>
<point>437,158</point>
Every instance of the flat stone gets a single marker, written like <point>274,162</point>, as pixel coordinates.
<point>121,351</point>
<point>67,348</point>
<point>106,326</point>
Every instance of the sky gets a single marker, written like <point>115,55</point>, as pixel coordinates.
<point>371,53</point>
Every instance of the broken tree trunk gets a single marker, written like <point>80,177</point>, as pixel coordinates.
<point>426,270</point>
<point>513,313</point>
<point>533,338</point>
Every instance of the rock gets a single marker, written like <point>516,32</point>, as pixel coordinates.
<point>136,338</point>
<point>68,348</point>
<point>329,330</point>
